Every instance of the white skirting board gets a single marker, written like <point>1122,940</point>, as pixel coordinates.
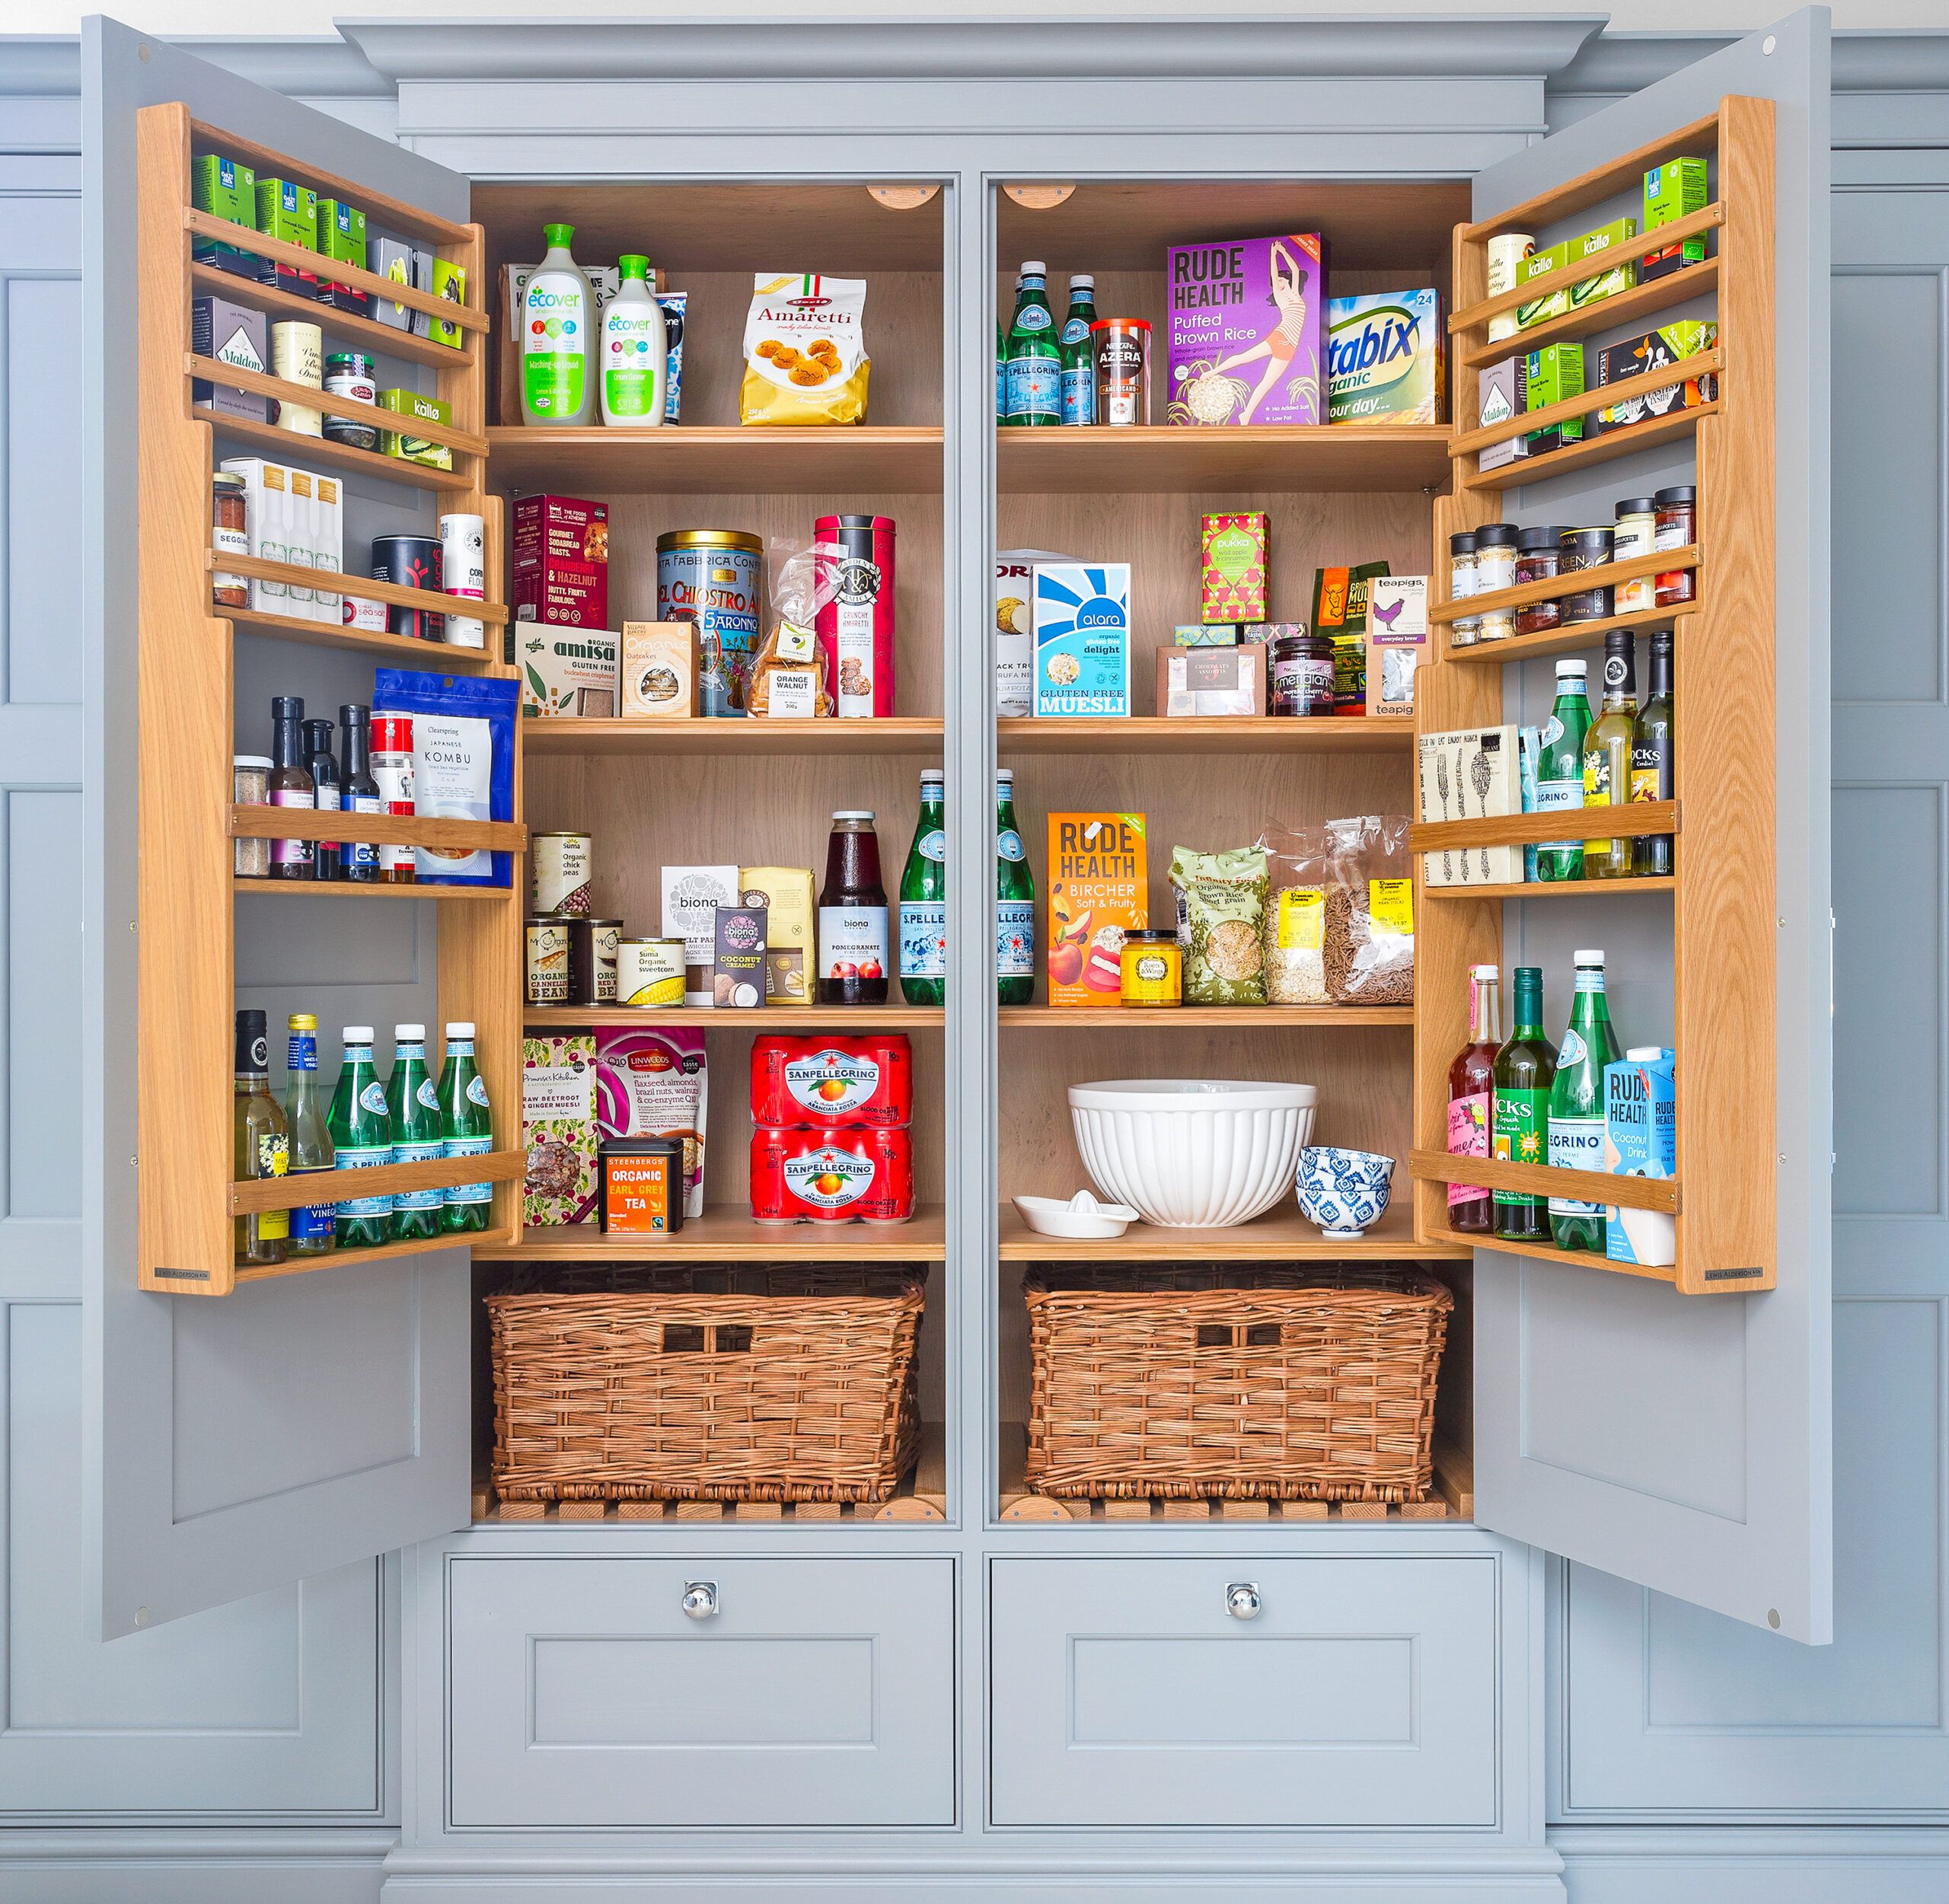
<point>193,1866</point>
<point>1754,1865</point>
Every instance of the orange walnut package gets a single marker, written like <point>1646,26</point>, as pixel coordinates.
<point>788,672</point>
<point>805,351</point>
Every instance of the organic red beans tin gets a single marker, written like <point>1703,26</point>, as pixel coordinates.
<point>856,628</point>
<point>832,1176</point>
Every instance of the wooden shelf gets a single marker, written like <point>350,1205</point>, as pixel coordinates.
<point>1629,822</point>
<point>1233,734</point>
<point>288,446</point>
<point>1606,574</point>
<point>364,333</point>
<point>406,650</point>
<point>355,1258</point>
<point>1563,1258</point>
<point>255,822</point>
<point>856,1019</point>
<point>260,1194</point>
<point>279,390</point>
<point>725,1234</point>
<point>368,588</point>
<point>1578,636</point>
<point>359,889</point>
<point>1281,1235</point>
<point>1658,1193</point>
<point>1593,449</point>
<point>1159,457</point>
<point>1607,314</point>
<point>1554,888</point>
<point>1205,1018</point>
<point>696,459</point>
<point>1623,173</point>
<point>1701,363</point>
<point>578,734</point>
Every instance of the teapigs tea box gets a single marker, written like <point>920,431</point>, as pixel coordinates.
<point>1386,359</point>
<point>1235,549</point>
<point>1082,624</point>
<point>1246,329</point>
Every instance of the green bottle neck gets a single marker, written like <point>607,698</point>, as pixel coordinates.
<point>1528,1009</point>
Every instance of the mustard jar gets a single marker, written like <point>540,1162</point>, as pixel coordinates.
<point>1152,969</point>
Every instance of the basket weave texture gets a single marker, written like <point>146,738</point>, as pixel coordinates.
<point>646,1388</point>
<point>1233,1384</point>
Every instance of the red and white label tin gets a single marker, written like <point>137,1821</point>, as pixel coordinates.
<point>856,628</point>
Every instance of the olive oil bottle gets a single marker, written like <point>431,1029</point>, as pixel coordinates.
<point>1652,751</point>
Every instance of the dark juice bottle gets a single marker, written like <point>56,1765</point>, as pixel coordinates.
<point>1525,1068</point>
<point>1471,1098</point>
<point>325,787</point>
<point>290,785</point>
<point>359,859</point>
<point>853,933</point>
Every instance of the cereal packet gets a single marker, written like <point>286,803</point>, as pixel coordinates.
<point>805,351</point>
<point>1221,914</point>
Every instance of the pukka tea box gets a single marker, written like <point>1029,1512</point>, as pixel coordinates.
<point>1387,358</point>
<point>559,1127</point>
<point>1551,375</point>
<point>1099,891</point>
<point>1081,617</point>
<point>1246,344</point>
<point>1641,1139</point>
<point>1235,551</point>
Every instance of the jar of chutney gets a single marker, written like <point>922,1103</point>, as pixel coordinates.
<point>1537,560</point>
<point>1677,529</point>
<point>1579,550</point>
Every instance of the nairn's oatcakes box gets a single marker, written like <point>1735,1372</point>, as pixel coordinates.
<point>1386,359</point>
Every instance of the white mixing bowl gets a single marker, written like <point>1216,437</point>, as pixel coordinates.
<point>1192,1153</point>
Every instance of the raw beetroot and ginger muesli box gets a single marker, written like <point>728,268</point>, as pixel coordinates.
<point>558,1126</point>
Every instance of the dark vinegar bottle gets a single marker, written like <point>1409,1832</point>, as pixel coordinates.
<point>323,769</point>
<point>853,924</point>
<point>1472,1098</point>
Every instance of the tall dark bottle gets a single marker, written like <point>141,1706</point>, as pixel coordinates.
<point>1525,1068</point>
<point>326,790</point>
<point>1651,747</point>
<point>852,922</point>
<point>290,785</point>
<point>359,793</point>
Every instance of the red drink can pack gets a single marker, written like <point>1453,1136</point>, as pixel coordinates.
<point>832,1176</point>
<point>826,1083</point>
<point>856,627</point>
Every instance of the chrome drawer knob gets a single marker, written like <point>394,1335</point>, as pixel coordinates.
<point>700,1598</point>
<point>1241,1600</point>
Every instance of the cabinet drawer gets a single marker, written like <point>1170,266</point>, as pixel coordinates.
<point>1364,1692</point>
<point>819,1692</point>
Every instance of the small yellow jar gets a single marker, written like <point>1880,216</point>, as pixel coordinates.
<point>1152,969</point>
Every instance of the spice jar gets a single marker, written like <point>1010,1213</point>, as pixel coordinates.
<point>1302,675</point>
<point>230,534</point>
<point>1495,557</point>
<point>1536,561</point>
<point>1677,529</point>
<point>349,374</point>
<point>1462,633</point>
<point>1579,550</point>
<point>1637,522</point>
<point>250,786</point>
<point>1151,969</point>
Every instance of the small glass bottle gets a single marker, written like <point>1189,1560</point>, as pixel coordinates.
<point>230,534</point>
<point>290,785</point>
<point>1633,536</point>
<point>326,790</point>
<point>1652,749</point>
<point>392,772</point>
<point>414,1106</point>
<point>262,1142</point>
<point>852,914</point>
<point>359,859</point>
<point>311,1225</point>
<point>1537,560</point>
<point>1495,569</point>
<point>466,1129</point>
<point>349,374</point>
<point>250,786</point>
<point>1582,549</point>
<point>1464,632</point>
<point>1470,1098</point>
<point>1607,755</point>
<point>1525,1068</point>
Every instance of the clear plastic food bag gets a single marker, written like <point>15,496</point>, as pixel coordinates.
<point>1296,916</point>
<point>788,672</point>
<point>1369,942</point>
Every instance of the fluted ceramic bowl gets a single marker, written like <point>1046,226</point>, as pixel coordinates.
<point>1191,1153</point>
<point>1345,1192</point>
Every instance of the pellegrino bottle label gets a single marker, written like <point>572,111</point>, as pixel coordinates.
<point>1522,1124</point>
<point>1034,387</point>
<point>365,1158</point>
<point>465,1193</point>
<point>922,938</point>
<point>1575,1143</point>
<point>1014,938</point>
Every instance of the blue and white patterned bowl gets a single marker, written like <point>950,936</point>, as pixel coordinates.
<point>1343,1192</point>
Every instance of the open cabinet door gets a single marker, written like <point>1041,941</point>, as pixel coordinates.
<point>1681,1440</point>
<point>236,1443</point>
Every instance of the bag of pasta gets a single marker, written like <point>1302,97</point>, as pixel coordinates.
<point>788,672</point>
<point>1296,916</point>
<point>805,351</point>
<point>1221,912</point>
<point>1369,942</point>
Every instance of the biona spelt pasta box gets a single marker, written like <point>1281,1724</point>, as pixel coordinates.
<point>1098,891</point>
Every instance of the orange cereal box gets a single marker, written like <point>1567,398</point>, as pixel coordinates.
<point>1099,891</point>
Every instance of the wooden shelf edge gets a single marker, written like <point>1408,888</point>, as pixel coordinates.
<point>1658,1193</point>
<point>355,1258</point>
<point>1555,889</point>
<point>1683,370</point>
<point>726,1233</point>
<point>1633,820</point>
<point>1159,734</point>
<point>381,339</point>
<point>286,445</point>
<point>1564,1258</point>
<point>1268,1018</point>
<point>213,370</point>
<point>586,734</point>
<point>435,656</point>
<point>1607,314</point>
<point>770,1017</point>
<point>1605,575</point>
<point>400,829</point>
<point>367,588</point>
<point>1567,640</point>
<point>245,888</point>
<point>1281,1235</point>
<point>254,1197</point>
<point>1593,449</point>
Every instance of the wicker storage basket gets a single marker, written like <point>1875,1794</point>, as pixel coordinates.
<point>801,1389</point>
<point>1233,1383</point>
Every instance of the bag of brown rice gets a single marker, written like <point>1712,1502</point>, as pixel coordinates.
<point>805,351</point>
<point>1296,916</point>
<point>1369,942</point>
<point>1221,917</point>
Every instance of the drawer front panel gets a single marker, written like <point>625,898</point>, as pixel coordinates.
<point>819,1692</point>
<point>1362,1694</point>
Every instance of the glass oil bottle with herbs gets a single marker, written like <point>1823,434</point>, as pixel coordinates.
<point>1607,755</point>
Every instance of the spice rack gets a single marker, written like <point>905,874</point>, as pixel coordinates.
<point>1722,897</point>
<point>186,662</point>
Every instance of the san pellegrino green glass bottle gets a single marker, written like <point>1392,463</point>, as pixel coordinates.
<point>361,1135</point>
<point>414,1107</point>
<point>1015,902</point>
<point>924,899</point>
<point>466,1129</point>
<point>1001,373</point>
<point>311,1225</point>
<point>1559,769</point>
<point>1079,355</point>
<point>260,1142</point>
<point>1034,356</point>
<point>1576,1104</point>
<point>1524,1068</point>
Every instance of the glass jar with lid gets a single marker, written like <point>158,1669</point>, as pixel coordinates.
<point>1463,632</point>
<point>1536,561</point>
<point>1151,969</point>
<point>1636,525</point>
<point>1677,527</point>
<point>349,374</point>
<point>1495,569</point>
<point>1300,670</point>
<point>250,786</point>
<point>1579,550</point>
<point>230,534</point>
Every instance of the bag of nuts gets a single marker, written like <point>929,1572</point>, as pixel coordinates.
<point>1368,944</point>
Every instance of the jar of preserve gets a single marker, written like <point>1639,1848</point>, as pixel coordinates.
<point>1536,561</point>
<point>230,534</point>
<point>1462,584</point>
<point>1301,670</point>
<point>1637,523</point>
<point>1579,550</point>
<point>1495,557</point>
<point>349,374</point>
<point>1677,529</point>
<point>1151,969</point>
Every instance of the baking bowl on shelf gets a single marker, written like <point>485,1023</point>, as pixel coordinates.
<point>1191,1153</point>
<point>1345,1192</point>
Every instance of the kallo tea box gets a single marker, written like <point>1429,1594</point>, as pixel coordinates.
<point>1081,613</point>
<point>1246,337</point>
<point>1386,359</point>
<point>1235,551</point>
<point>1099,891</point>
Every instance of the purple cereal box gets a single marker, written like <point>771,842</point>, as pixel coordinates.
<point>1247,324</point>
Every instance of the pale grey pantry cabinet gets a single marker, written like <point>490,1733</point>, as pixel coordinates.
<point>255,1647</point>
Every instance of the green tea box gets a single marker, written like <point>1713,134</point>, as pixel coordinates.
<point>1551,304</point>
<point>225,189</point>
<point>1207,634</point>
<point>409,404</point>
<point>1673,191</point>
<point>288,212</point>
<point>445,279</point>
<point>1549,376</point>
<point>1612,279</point>
<point>342,239</point>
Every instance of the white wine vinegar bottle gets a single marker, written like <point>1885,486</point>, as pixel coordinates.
<point>557,339</point>
<point>635,352</point>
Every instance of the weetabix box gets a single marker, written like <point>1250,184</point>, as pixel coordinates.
<point>559,1127</point>
<point>1246,342</point>
<point>1082,623</point>
<point>1387,358</point>
<point>1099,890</point>
<point>561,561</point>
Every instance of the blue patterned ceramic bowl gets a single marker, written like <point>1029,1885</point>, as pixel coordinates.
<point>1343,1192</point>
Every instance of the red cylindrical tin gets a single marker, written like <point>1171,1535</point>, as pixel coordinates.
<point>856,628</point>
<point>829,1083</point>
<point>831,1176</point>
